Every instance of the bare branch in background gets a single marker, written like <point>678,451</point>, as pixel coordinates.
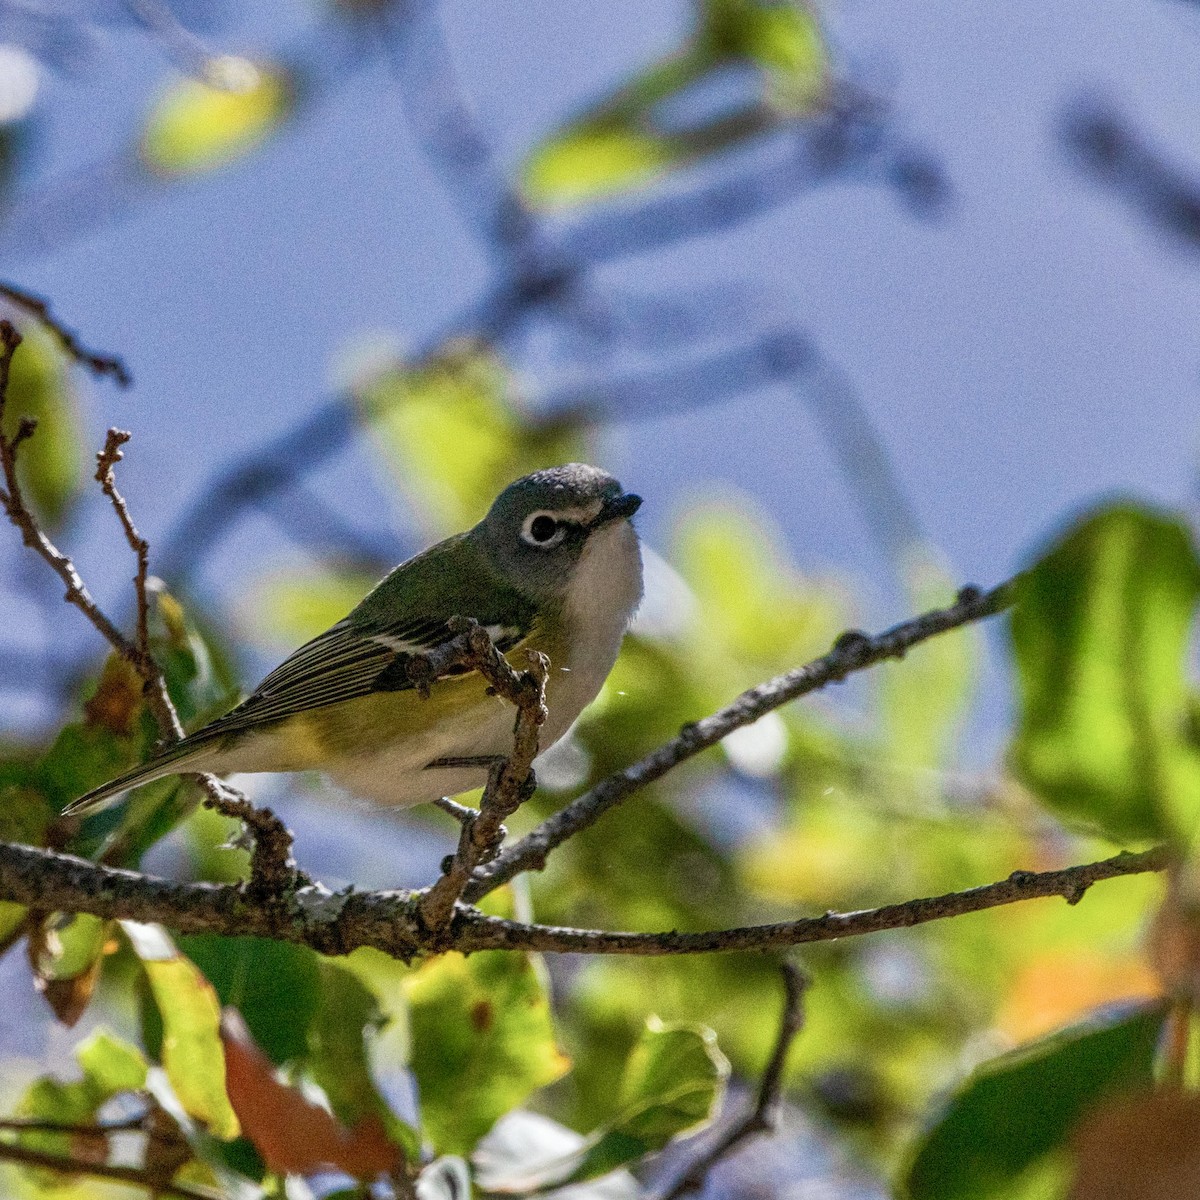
<point>853,651</point>
<point>129,1176</point>
<point>188,51</point>
<point>764,1116</point>
<point>98,364</point>
<point>445,123</point>
<point>850,139</point>
<point>1118,156</point>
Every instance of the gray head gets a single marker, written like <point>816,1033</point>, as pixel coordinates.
<point>539,526</point>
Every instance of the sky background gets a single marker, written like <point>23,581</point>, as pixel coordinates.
<point>1032,347</point>
<point>1028,349</point>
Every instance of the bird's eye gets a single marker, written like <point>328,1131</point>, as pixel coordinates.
<point>542,530</point>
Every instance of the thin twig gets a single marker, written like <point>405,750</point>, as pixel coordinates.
<point>20,515</point>
<point>764,1116</point>
<point>509,779</point>
<point>134,1176</point>
<point>390,921</point>
<point>272,870</point>
<point>98,364</point>
<point>853,651</point>
<point>462,813</point>
<point>156,688</point>
<point>93,1129</point>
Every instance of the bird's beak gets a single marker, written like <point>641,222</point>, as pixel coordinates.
<point>619,508</point>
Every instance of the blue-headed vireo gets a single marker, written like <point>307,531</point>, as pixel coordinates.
<point>554,566</point>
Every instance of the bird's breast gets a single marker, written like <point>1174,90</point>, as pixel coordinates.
<point>600,602</point>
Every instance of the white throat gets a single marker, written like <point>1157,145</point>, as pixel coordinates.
<point>601,599</point>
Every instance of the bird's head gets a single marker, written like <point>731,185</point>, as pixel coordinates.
<point>542,526</point>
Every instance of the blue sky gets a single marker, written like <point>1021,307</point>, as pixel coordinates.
<point>1030,349</point>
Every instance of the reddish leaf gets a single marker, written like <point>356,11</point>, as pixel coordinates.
<point>1140,1147</point>
<point>70,997</point>
<point>117,700</point>
<point>294,1135</point>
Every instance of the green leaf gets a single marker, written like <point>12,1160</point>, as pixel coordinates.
<point>453,436</point>
<point>673,1082</point>
<point>192,1054</point>
<point>482,1042</point>
<point>339,1058</point>
<point>1100,636</point>
<point>286,610</point>
<point>636,136</point>
<point>49,464</point>
<point>1017,1109</point>
<point>275,986</point>
<point>924,699</point>
<point>199,675</point>
<point>110,1066</point>
<point>197,126</point>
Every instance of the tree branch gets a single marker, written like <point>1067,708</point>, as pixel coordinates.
<point>853,651</point>
<point>510,781</point>
<point>764,1116</point>
<point>272,870</point>
<point>98,364</point>
<point>391,921</point>
<point>135,1176</point>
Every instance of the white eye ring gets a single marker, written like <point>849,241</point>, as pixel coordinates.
<point>534,525</point>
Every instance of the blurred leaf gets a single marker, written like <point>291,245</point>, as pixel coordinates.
<point>446,1178</point>
<point>673,1082</point>
<point>49,464</point>
<point>198,672</point>
<point>25,814</point>
<point>453,437</point>
<point>294,1135</point>
<point>748,67</point>
<point>482,1042</point>
<point>1058,986</point>
<point>110,1066</point>
<point>525,1151</point>
<point>195,126</point>
<point>339,1057</point>
<point>1100,636</point>
<point>752,604</point>
<point>287,610</point>
<point>191,1046</point>
<point>924,699</point>
<point>67,955</point>
<point>1141,1147</point>
<point>1022,1106</point>
<point>275,987</point>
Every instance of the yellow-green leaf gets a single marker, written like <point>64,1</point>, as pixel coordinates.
<point>192,1053</point>
<point>482,1041</point>
<point>50,463</point>
<point>673,1083</point>
<point>1100,636</point>
<point>747,68</point>
<point>453,437</point>
<point>196,126</point>
<point>924,698</point>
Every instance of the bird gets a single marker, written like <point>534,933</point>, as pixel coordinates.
<point>555,566</point>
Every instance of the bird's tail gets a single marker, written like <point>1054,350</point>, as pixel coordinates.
<point>187,755</point>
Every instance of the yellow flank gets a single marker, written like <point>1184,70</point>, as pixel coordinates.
<point>312,740</point>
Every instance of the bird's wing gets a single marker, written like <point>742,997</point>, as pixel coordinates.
<point>347,661</point>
